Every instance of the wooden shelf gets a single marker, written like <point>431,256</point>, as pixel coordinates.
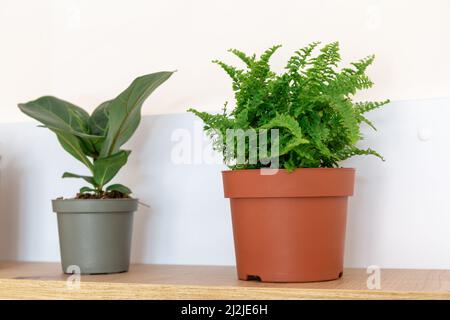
<point>25,280</point>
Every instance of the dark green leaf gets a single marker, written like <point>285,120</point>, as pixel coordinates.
<point>72,145</point>
<point>105,169</point>
<point>87,190</point>
<point>125,111</point>
<point>73,175</point>
<point>57,114</point>
<point>98,121</point>
<point>63,117</point>
<point>119,187</point>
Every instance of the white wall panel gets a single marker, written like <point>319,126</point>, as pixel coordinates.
<point>399,216</point>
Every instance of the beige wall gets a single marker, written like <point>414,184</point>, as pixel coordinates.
<point>87,51</point>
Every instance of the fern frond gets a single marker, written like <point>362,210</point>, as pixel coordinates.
<point>330,55</point>
<point>354,151</point>
<point>231,71</point>
<point>310,104</point>
<point>213,121</point>
<point>300,59</point>
<point>362,64</point>
<point>348,119</point>
<point>366,121</point>
<point>265,57</point>
<point>248,60</point>
<point>366,106</point>
<point>284,121</point>
<point>322,72</point>
<point>293,129</point>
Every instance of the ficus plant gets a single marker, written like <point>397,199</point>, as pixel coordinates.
<point>96,139</point>
<point>310,103</point>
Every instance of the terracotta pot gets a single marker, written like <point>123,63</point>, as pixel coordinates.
<point>289,227</point>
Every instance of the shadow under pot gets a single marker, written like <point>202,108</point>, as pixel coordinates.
<point>289,227</point>
<point>95,235</point>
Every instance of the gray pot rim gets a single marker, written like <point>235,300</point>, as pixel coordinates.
<point>94,205</point>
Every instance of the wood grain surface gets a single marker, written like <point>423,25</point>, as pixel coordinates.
<point>26,280</point>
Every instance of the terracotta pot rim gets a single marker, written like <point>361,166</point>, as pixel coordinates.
<point>307,182</point>
<point>284,170</point>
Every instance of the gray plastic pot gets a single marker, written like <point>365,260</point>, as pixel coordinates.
<point>95,235</point>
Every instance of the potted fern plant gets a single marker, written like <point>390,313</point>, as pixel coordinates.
<point>289,224</point>
<point>95,227</point>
